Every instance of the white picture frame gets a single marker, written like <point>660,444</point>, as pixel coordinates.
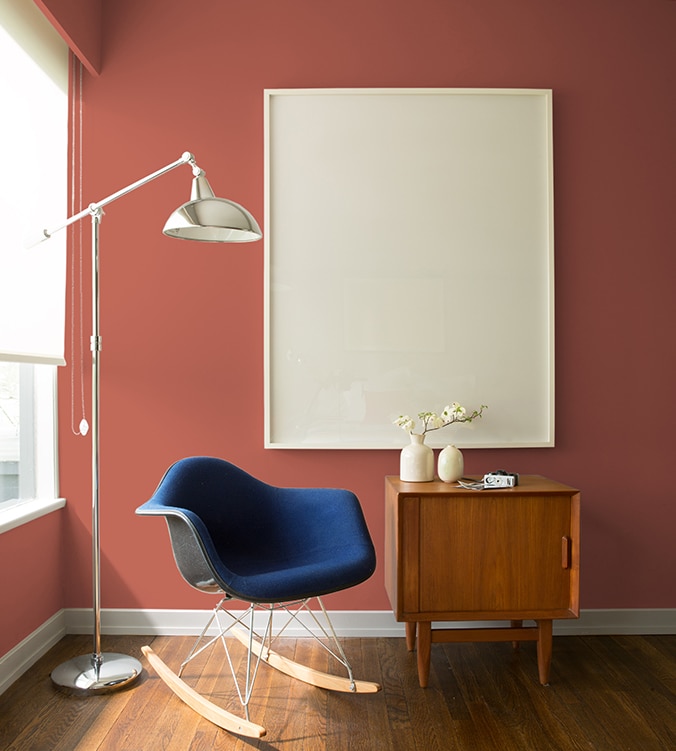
<point>409,263</point>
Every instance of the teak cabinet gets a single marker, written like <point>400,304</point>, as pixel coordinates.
<point>492,555</point>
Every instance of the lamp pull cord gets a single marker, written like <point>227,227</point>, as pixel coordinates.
<point>76,248</point>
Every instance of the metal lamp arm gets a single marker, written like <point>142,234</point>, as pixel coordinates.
<point>95,208</point>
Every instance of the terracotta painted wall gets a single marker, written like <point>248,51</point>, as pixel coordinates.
<point>32,575</point>
<point>182,353</point>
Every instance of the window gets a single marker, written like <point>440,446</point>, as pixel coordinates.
<point>9,432</point>
<point>27,433</point>
<point>33,183</point>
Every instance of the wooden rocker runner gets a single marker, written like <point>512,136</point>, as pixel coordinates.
<point>273,548</point>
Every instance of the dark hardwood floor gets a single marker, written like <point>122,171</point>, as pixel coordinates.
<point>606,694</point>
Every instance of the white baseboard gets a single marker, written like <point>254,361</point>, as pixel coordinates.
<point>346,623</point>
<point>15,663</point>
<point>616,622</point>
<point>363,623</point>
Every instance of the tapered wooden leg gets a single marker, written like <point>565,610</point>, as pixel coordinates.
<point>410,635</point>
<point>424,652</point>
<point>516,624</point>
<point>544,650</point>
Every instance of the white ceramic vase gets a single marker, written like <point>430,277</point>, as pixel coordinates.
<point>451,465</point>
<point>416,463</point>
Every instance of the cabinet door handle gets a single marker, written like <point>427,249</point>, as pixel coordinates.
<point>565,552</point>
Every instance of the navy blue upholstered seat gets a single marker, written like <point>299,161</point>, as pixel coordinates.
<point>257,542</point>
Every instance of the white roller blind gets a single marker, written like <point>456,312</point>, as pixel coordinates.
<point>33,184</point>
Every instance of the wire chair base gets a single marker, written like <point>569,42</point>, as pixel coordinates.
<point>259,639</point>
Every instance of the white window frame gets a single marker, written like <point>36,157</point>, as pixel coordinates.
<point>27,433</point>
<point>38,456</point>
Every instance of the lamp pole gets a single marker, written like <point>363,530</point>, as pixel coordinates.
<point>96,344</point>
<point>98,672</point>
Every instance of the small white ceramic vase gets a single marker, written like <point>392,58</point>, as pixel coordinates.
<point>451,465</point>
<point>416,463</point>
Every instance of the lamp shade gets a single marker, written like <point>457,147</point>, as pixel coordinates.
<point>206,218</point>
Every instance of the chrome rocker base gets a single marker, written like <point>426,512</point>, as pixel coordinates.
<point>259,649</point>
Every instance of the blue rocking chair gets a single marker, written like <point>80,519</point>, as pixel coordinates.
<point>273,548</point>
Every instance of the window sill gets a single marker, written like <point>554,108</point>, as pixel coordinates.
<point>26,511</point>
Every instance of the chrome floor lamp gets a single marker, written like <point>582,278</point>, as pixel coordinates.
<point>204,218</point>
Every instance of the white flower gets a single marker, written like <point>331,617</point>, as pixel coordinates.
<point>405,422</point>
<point>453,412</point>
<point>435,422</point>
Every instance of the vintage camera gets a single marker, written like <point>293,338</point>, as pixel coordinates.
<point>500,479</point>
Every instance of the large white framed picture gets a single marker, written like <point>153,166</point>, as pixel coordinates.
<point>409,263</point>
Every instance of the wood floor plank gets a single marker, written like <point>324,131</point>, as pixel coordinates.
<point>72,714</point>
<point>397,667</point>
<point>433,725</point>
<point>644,659</point>
<point>34,693</point>
<point>550,722</point>
<point>209,737</point>
<point>602,701</point>
<point>269,703</point>
<point>94,725</point>
<point>307,703</point>
<point>138,726</point>
<point>367,667</point>
<point>210,675</point>
<point>491,720</point>
<point>606,694</point>
<point>348,713</point>
<point>630,681</point>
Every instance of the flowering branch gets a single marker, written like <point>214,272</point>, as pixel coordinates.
<point>452,413</point>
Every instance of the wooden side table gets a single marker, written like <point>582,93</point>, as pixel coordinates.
<point>492,555</point>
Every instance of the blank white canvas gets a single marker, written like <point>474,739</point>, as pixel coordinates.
<point>409,264</point>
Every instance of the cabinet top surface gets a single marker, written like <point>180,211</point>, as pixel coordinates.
<point>527,484</point>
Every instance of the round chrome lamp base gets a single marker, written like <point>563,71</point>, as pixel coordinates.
<point>97,674</point>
